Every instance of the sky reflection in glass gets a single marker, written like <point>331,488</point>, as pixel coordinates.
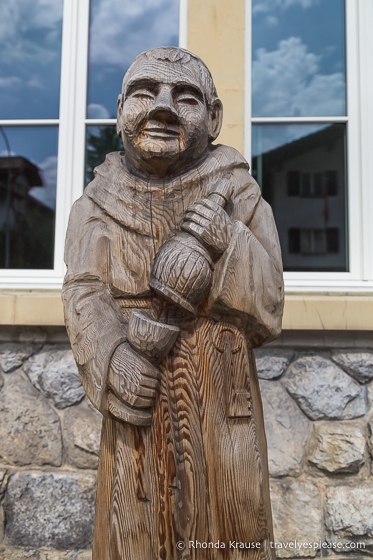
<point>30,43</point>
<point>298,66</point>
<point>120,30</point>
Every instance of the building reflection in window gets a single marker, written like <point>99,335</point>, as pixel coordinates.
<point>27,197</point>
<point>304,180</point>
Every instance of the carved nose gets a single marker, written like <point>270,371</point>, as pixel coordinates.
<point>164,108</point>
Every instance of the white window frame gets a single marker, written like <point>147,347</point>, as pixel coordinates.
<point>359,123</point>
<point>71,137</point>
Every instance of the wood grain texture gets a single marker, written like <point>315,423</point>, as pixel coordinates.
<point>183,453</point>
<point>149,337</point>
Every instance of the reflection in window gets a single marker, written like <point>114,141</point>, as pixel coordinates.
<point>304,182</point>
<point>101,140</point>
<point>28,172</point>
<point>298,66</point>
<point>30,42</point>
<point>312,185</point>
<point>313,241</point>
<point>119,31</point>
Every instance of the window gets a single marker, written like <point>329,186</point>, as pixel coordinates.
<point>306,132</point>
<point>61,71</point>
<point>31,41</point>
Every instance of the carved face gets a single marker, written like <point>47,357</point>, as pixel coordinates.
<point>163,116</point>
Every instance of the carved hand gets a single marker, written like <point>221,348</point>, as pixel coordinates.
<point>208,222</point>
<point>132,384</point>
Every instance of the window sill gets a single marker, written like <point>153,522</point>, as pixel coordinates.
<point>31,307</point>
<point>302,311</point>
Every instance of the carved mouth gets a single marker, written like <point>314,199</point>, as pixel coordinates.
<point>161,131</point>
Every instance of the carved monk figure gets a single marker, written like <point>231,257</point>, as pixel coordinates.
<point>173,277</point>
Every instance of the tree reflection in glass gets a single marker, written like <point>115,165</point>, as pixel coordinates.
<point>101,140</point>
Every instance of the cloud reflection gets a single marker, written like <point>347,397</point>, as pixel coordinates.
<point>47,193</point>
<point>97,111</point>
<point>287,82</point>
<point>30,42</point>
<point>263,6</point>
<point>119,30</point>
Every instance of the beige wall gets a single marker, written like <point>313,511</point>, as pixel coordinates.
<point>216,33</point>
<point>308,311</point>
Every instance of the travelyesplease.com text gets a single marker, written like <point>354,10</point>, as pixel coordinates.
<point>292,545</point>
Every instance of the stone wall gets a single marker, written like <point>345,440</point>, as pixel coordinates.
<point>317,394</point>
<point>49,442</point>
<point>317,406</point>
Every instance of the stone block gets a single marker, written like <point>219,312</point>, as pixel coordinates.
<point>370,395</point>
<point>29,428</point>
<point>337,448</point>
<point>323,390</point>
<point>370,439</point>
<point>53,372</point>
<point>85,555</point>
<point>2,479</point>
<point>7,553</point>
<point>12,355</point>
<point>286,428</point>
<point>349,511</point>
<point>81,436</point>
<point>50,510</point>
<point>272,363</point>
<point>296,508</point>
<point>15,553</point>
<point>357,364</point>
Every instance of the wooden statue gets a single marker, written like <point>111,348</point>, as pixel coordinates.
<point>173,276</point>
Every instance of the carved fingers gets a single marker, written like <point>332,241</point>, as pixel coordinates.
<point>132,380</point>
<point>135,416</point>
<point>208,222</point>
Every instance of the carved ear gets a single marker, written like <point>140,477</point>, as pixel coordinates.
<point>215,119</point>
<point>120,102</point>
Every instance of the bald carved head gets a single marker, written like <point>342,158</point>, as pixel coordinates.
<point>190,64</point>
<point>168,111</point>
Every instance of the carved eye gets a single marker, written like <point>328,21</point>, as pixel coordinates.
<point>187,98</point>
<point>143,94</point>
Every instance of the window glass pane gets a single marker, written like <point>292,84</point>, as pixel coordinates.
<point>298,58</point>
<point>30,43</point>
<point>301,169</point>
<point>100,140</point>
<point>28,174</point>
<point>120,30</point>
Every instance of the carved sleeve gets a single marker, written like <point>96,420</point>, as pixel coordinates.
<point>247,287</point>
<point>94,322</point>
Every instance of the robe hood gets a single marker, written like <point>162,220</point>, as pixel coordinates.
<point>131,200</point>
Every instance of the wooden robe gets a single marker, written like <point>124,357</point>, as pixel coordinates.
<point>199,472</point>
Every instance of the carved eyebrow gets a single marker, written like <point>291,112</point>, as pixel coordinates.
<point>140,83</point>
<point>178,87</point>
<point>185,87</point>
